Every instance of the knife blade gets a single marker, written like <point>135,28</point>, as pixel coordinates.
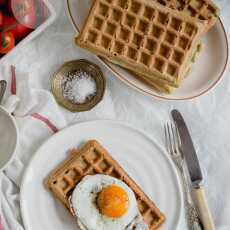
<point>188,149</point>
<point>194,170</point>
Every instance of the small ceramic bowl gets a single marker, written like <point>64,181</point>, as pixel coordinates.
<point>9,136</point>
<point>63,73</point>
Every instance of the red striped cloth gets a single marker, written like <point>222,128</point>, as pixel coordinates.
<point>52,127</point>
<point>13,80</point>
<point>1,224</point>
<point>38,116</point>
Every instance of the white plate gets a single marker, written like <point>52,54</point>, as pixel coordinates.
<point>140,156</point>
<point>206,72</point>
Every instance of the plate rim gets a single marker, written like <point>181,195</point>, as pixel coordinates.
<point>103,121</point>
<point>152,93</point>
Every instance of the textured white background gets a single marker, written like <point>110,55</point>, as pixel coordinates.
<point>208,116</point>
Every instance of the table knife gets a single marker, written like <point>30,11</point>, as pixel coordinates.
<point>194,170</point>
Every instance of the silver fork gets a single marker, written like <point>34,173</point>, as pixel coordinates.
<point>173,147</point>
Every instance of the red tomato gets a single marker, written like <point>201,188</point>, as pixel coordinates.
<point>12,25</point>
<point>7,42</point>
<point>24,11</point>
<point>1,18</point>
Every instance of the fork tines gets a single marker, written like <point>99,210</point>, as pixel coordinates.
<point>172,138</point>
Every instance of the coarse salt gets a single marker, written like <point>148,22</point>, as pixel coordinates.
<point>79,87</point>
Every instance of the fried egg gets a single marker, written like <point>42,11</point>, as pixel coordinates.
<point>102,202</point>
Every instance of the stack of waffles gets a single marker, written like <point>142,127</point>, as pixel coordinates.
<point>204,10</point>
<point>155,39</point>
<point>93,159</point>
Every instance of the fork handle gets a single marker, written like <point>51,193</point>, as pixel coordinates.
<point>204,211</point>
<point>193,219</point>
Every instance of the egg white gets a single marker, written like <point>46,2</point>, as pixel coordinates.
<point>83,202</point>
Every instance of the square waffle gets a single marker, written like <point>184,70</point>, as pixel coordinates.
<point>165,88</point>
<point>142,36</point>
<point>201,9</point>
<point>92,159</point>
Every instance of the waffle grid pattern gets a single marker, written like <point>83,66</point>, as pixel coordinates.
<point>201,9</point>
<point>158,41</point>
<point>93,159</point>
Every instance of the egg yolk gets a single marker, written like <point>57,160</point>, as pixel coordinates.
<point>113,201</point>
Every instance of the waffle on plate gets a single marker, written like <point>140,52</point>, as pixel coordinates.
<point>205,10</point>
<point>93,159</point>
<point>143,36</point>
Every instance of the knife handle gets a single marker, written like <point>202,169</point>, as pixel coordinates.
<point>204,211</point>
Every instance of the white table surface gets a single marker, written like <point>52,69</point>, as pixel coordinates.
<point>208,117</point>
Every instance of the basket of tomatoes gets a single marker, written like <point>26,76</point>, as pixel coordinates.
<point>22,20</point>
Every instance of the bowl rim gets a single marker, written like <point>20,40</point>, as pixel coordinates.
<point>16,146</point>
<point>74,107</point>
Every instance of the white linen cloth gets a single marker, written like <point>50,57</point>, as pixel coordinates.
<point>208,116</point>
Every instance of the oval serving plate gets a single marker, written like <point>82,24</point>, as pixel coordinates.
<point>206,72</point>
<point>140,156</point>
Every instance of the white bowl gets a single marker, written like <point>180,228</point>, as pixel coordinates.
<point>8,138</point>
<point>36,32</point>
